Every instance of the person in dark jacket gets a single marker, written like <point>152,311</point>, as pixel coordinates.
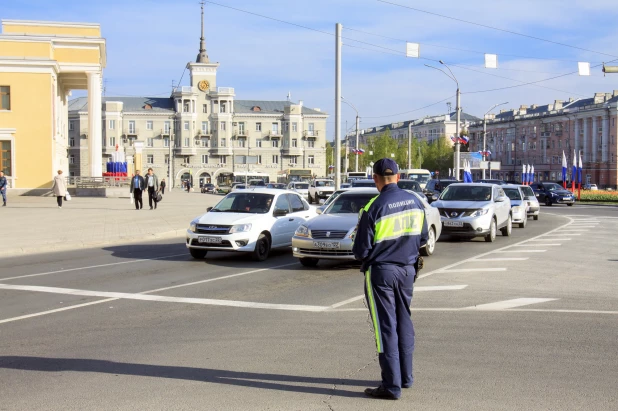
<point>3,187</point>
<point>162,188</point>
<point>137,187</point>
<point>390,232</point>
<point>151,182</point>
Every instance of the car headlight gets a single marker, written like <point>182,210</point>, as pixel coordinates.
<point>303,231</point>
<point>479,212</point>
<point>193,225</point>
<point>516,209</point>
<point>352,233</point>
<point>240,228</point>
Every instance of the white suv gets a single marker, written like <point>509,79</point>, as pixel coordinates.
<point>320,189</point>
<point>251,220</point>
<point>475,210</point>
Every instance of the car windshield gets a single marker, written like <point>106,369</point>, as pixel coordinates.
<point>241,186</point>
<point>301,186</point>
<point>256,203</point>
<point>349,204</point>
<point>324,184</point>
<point>421,178</point>
<point>552,186</point>
<point>409,185</point>
<point>513,193</point>
<point>466,193</point>
<point>363,184</point>
<point>528,191</point>
<point>333,197</point>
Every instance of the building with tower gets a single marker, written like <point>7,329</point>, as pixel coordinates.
<point>202,132</point>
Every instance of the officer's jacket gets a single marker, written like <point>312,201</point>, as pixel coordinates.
<point>391,229</point>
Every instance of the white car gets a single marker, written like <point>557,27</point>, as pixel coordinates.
<point>519,204</point>
<point>251,220</point>
<point>238,186</point>
<point>300,187</point>
<point>534,208</point>
<point>320,189</point>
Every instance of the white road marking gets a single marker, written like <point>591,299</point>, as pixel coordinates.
<point>144,292</point>
<point>536,245</point>
<point>473,270</point>
<point>553,239</point>
<point>417,288</point>
<point>512,310</point>
<point>506,304</point>
<point>505,258</point>
<point>559,233</point>
<point>520,251</point>
<point>348,301</point>
<point>92,266</point>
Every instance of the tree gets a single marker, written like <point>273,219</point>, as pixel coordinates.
<point>438,156</point>
<point>330,157</point>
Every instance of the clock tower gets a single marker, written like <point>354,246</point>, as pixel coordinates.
<point>203,72</point>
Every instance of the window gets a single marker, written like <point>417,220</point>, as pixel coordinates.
<point>167,159</point>
<point>222,107</point>
<point>258,126</point>
<point>275,143</point>
<point>72,142</point>
<point>150,142</point>
<point>242,142</point>
<point>112,141</point>
<point>204,108</point>
<point>275,159</point>
<point>222,142</point>
<point>72,159</point>
<point>5,98</point>
<point>205,142</point>
<point>311,129</point>
<point>132,127</point>
<point>223,160</point>
<point>150,159</point>
<point>166,128</point>
<point>186,125</point>
<point>205,127</point>
<point>286,126</point>
<point>294,160</point>
<point>294,142</point>
<point>5,157</point>
<point>275,128</point>
<point>71,125</point>
<point>294,127</point>
<point>310,143</point>
<point>149,125</point>
<point>259,159</point>
<point>166,142</point>
<point>186,107</point>
<point>296,203</point>
<point>311,160</point>
<point>223,126</point>
<point>187,141</point>
<point>187,160</point>
<point>258,142</point>
<point>204,158</point>
<point>282,203</point>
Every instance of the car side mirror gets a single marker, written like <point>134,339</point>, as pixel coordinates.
<point>500,199</point>
<point>208,209</point>
<point>319,210</point>
<point>279,212</point>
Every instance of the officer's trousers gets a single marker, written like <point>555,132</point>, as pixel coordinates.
<point>388,290</point>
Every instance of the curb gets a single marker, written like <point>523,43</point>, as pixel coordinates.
<point>20,251</point>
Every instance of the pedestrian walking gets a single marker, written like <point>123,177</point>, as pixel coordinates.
<point>152,185</point>
<point>137,187</point>
<point>390,232</point>
<point>3,187</point>
<point>162,188</point>
<point>59,188</point>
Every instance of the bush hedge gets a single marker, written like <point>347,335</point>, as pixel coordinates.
<point>604,196</point>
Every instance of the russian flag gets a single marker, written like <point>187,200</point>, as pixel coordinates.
<point>574,171</point>
<point>464,139</point>
<point>564,169</point>
<point>579,170</point>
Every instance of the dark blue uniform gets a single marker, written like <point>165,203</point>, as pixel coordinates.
<point>391,230</point>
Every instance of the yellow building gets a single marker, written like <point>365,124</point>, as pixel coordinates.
<point>40,63</point>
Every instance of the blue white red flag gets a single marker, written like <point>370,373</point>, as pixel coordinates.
<point>564,169</point>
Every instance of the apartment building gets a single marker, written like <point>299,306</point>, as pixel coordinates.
<point>538,135</point>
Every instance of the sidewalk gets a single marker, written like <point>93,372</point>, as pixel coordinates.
<point>33,225</point>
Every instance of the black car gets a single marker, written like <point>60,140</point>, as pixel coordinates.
<point>552,193</point>
<point>434,188</point>
<point>208,188</point>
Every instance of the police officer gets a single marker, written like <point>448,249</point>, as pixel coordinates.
<point>391,230</point>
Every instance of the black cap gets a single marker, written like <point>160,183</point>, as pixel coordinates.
<point>385,167</point>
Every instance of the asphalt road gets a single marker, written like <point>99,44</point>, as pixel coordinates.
<point>528,322</point>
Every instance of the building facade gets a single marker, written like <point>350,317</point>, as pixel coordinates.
<point>40,63</point>
<point>538,135</point>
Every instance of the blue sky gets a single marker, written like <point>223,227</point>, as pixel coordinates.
<point>149,43</point>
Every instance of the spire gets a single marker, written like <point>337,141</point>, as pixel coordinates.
<point>203,56</point>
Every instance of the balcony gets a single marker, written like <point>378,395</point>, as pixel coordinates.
<point>221,151</point>
<point>545,134</point>
<point>311,133</point>
<point>241,132</point>
<point>274,134</point>
<point>292,151</point>
<point>185,151</point>
<point>130,131</point>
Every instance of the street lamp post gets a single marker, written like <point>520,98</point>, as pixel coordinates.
<point>485,130</point>
<point>458,109</point>
<point>357,129</point>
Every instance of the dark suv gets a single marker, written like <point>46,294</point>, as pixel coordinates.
<point>434,188</point>
<point>552,193</point>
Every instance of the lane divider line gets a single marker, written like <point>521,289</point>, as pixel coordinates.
<point>473,270</point>
<point>506,304</point>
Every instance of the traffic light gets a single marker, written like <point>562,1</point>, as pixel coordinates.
<point>610,69</point>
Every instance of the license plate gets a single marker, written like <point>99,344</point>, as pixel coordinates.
<point>209,240</point>
<point>453,224</point>
<point>325,244</point>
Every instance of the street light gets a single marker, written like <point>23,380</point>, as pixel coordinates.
<point>458,109</point>
<point>485,130</point>
<point>357,123</point>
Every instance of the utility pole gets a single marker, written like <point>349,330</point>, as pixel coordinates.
<point>410,145</point>
<point>485,131</point>
<point>357,124</point>
<point>457,125</point>
<point>338,106</point>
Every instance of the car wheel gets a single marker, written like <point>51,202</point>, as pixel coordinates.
<point>491,237</point>
<point>262,248</point>
<point>197,253</point>
<point>431,243</point>
<point>309,199</point>
<point>309,262</point>
<point>506,231</point>
<point>523,223</point>
<point>570,204</point>
<point>536,217</point>
<point>547,201</point>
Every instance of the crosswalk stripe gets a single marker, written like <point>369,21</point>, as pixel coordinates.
<point>506,304</point>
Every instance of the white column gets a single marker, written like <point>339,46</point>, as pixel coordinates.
<point>586,149</point>
<point>94,124</point>
<point>605,139</point>
<point>576,132</point>
<point>595,143</point>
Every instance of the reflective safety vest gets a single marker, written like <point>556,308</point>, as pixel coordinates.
<point>391,229</point>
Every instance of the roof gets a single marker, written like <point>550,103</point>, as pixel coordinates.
<point>464,117</point>
<point>268,107</point>
<point>131,104</point>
